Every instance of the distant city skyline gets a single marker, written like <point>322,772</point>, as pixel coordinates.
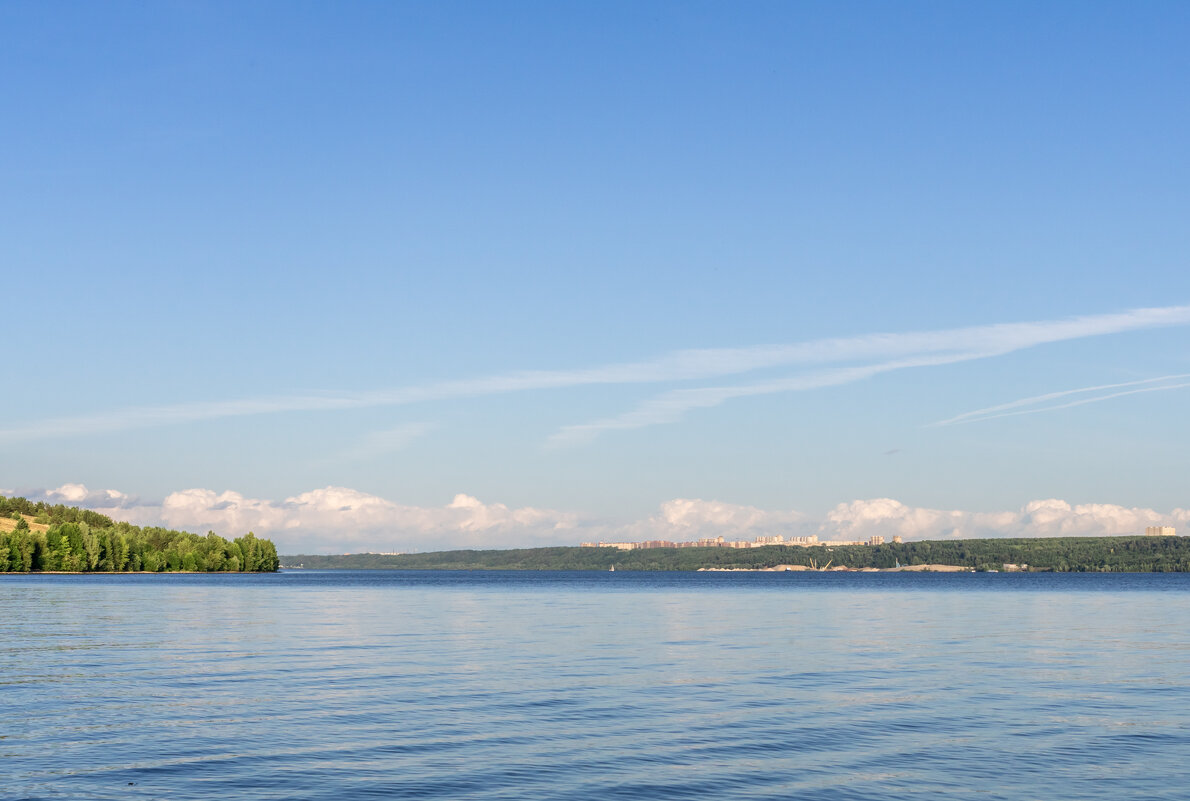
<point>401,277</point>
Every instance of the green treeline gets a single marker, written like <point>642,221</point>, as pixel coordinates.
<point>64,538</point>
<point>1135,554</point>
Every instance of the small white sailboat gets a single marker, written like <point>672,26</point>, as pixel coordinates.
<point>611,569</point>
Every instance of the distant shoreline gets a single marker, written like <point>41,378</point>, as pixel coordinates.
<point>1128,554</point>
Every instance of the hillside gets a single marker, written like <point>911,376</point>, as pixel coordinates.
<point>1060,554</point>
<point>40,537</point>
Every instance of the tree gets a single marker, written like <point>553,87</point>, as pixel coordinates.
<point>214,561</point>
<point>81,540</point>
<point>119,552</point>
<point>24,552</point>
<point>91,549</point>
<point>38,553</point>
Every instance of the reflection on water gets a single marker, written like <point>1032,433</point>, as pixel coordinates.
<point>576,686</point>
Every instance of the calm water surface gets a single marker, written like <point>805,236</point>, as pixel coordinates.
<point>493,685</point>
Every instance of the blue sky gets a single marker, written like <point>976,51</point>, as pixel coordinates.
<point>207,203</point>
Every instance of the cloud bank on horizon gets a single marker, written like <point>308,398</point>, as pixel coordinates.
<point>836,361</point>
<point>338,519</point>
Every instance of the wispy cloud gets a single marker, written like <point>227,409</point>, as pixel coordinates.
<point>915,350</point>
<point>672,406</point>
<point>1042,403</point>
<point>380,443</point>
<point>686,365</point>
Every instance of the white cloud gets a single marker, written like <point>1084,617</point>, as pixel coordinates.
<point>339,519</point>
<point>79,495</point>
<point>684,519</point>
<point>686,365</point>
<point>226,512</point>
<point>1041,518</point>
<point>342,519</point>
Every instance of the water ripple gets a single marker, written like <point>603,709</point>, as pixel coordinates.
<point>564,686</point>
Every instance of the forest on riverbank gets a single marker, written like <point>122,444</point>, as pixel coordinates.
<point>1134,554</point>
<point>41,537</point>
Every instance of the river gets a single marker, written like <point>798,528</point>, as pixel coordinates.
<point>504,685</point>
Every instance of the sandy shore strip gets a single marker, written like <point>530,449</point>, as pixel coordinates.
<point>792,568</point>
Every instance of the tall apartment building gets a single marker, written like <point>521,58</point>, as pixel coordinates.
<point>1160,531</point>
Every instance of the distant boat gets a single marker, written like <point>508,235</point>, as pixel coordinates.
<point>611,569</point>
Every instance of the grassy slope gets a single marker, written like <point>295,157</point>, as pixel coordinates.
<point>8,524</point>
